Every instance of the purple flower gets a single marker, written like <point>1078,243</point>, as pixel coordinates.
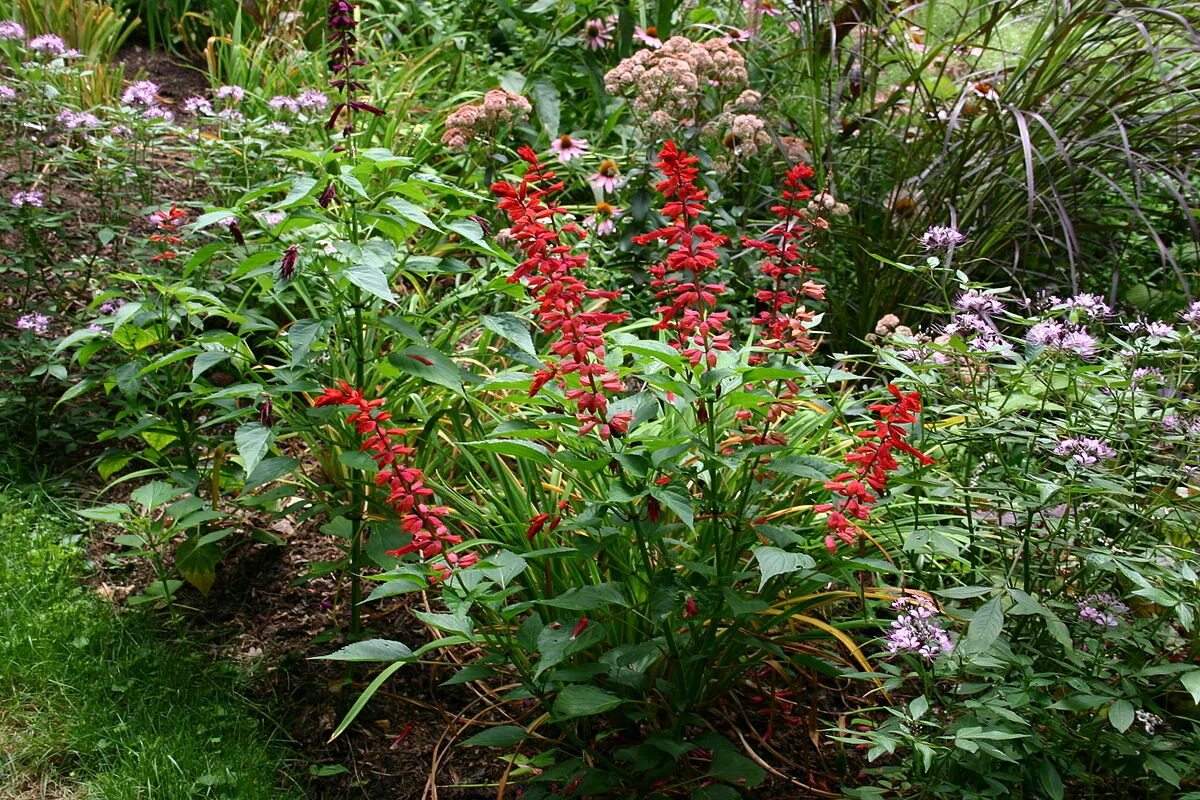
<point>48,43</point>
<point>941,237</point>
<point>1149,722</point>
<point>197,107</point>
<point>278,127</point>
<point>272,218</point>
<point>7,93</point>
<point>915,630</point>
<point>1047,333</point>
<point>72,120</point>
<point>979,303</point>
<point>1085,451</point>
<point>158,112</point>
<point>1146,375</point>
<point>231,115</point>
<point>1102,609</point>
<point>29,198</point>
<point>11,31</point>
<point>141,93</point>
<point>282,102</point>
<point>38,323</point>
<point>233,94</point>
<point>287,264</point>
<point>1191,314</point>
<point>1091,306</point>
<point>312,99</point>
<point>1079,342</point>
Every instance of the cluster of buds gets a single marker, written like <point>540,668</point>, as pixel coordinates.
<point>785,321</point>
<point>697,330</point>
<point>551,275</point>
<point>872,462</point>
<point>343,57</point>
<point>407,492</point>
<point>166,231</point>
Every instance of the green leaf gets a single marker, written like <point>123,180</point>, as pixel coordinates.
<point>207,360</point>
<point>680,504</point>
<point>1050,779</point>
<point>300,337</point>
<point>155,494</point>
<point>428,364</point>
<point>1120,715</point>
<point>197,562</point>
<point>512,328</point>
<point>253,440</point>
<point>410,212</point>
<point>1191,682</point>
<point>268,470</point>
<point>548,104</point>
<point>371,279</point>
<point>363,698</point>
<point>583,701</point>
<point>113,512</point>
<point>370,650</point>
<point>985,626</point>
<point>453,623</point>
<point>588,598</point>
<point>499,736</point>
<point>773,561</point>
<point>509,447</point>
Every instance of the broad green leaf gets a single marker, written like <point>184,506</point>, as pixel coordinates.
<point>371,279</point>
<point>155,494</point>
<point>370,650</point>
<point>1191,682</point>
<point>453,623</point>
<point>410,212</point>
<point>547,103</point>
<point>773,561</point>
<point>581,700</point>
<point>512,328</point>
<point>499,736</point>
<point>985,626</point>
<point>588,598</point>
<point>197,562</point>
<point>1120,715</point>
<point>365,697</point>
<point>253,440</point>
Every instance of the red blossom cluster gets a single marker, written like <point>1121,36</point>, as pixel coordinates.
<point>166,234</point>
<point>688,302</point>
<point>551,275</point>
<point>785,320</point>
<point>406,484</point>
<point>873,461</point>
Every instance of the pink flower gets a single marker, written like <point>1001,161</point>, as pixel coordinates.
<point>738,35</point>
<point>603,220</point>
<point>648,36</point>
<point>595,35</point>
<point>567,148</point>
<point>607,177</point>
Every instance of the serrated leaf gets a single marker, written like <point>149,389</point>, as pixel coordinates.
<point>371,279</point>
<point>985,626</point>
<point>370,650</point>
<point>583,701</point>
<point>512,328</point>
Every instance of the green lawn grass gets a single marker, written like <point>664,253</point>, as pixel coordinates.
<point>94,704</point>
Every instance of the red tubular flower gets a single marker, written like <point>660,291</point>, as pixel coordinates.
<point>688,301</point>
<point>872,461</point>
<point>784,249</point>
<point>406,485</point>
<point>166,224</point>
<point>550,273</point>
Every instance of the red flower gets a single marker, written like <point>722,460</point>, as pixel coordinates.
<point>873,461</point>
<point>405,484</point>
<point>550,272</point>
<point>688,300</point>
<point>784,249</point>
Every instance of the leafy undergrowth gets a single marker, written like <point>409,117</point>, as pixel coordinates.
<point>93,704</point>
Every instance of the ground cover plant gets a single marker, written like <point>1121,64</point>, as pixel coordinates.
<point>657,400</point>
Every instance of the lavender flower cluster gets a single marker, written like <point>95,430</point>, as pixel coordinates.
<point>915,630</point>
<point>1102,609</point>
<point>37,323</point>
<point>1085,451</point>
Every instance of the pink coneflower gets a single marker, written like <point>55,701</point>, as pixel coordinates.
<point>595,35</point>
<point>567,148</point>
<point>607,177</point>
<point>603,219</point>
<point>48,43</point>
<point>739,35</point>
<point>756,7</point>
<point>648,36</point>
